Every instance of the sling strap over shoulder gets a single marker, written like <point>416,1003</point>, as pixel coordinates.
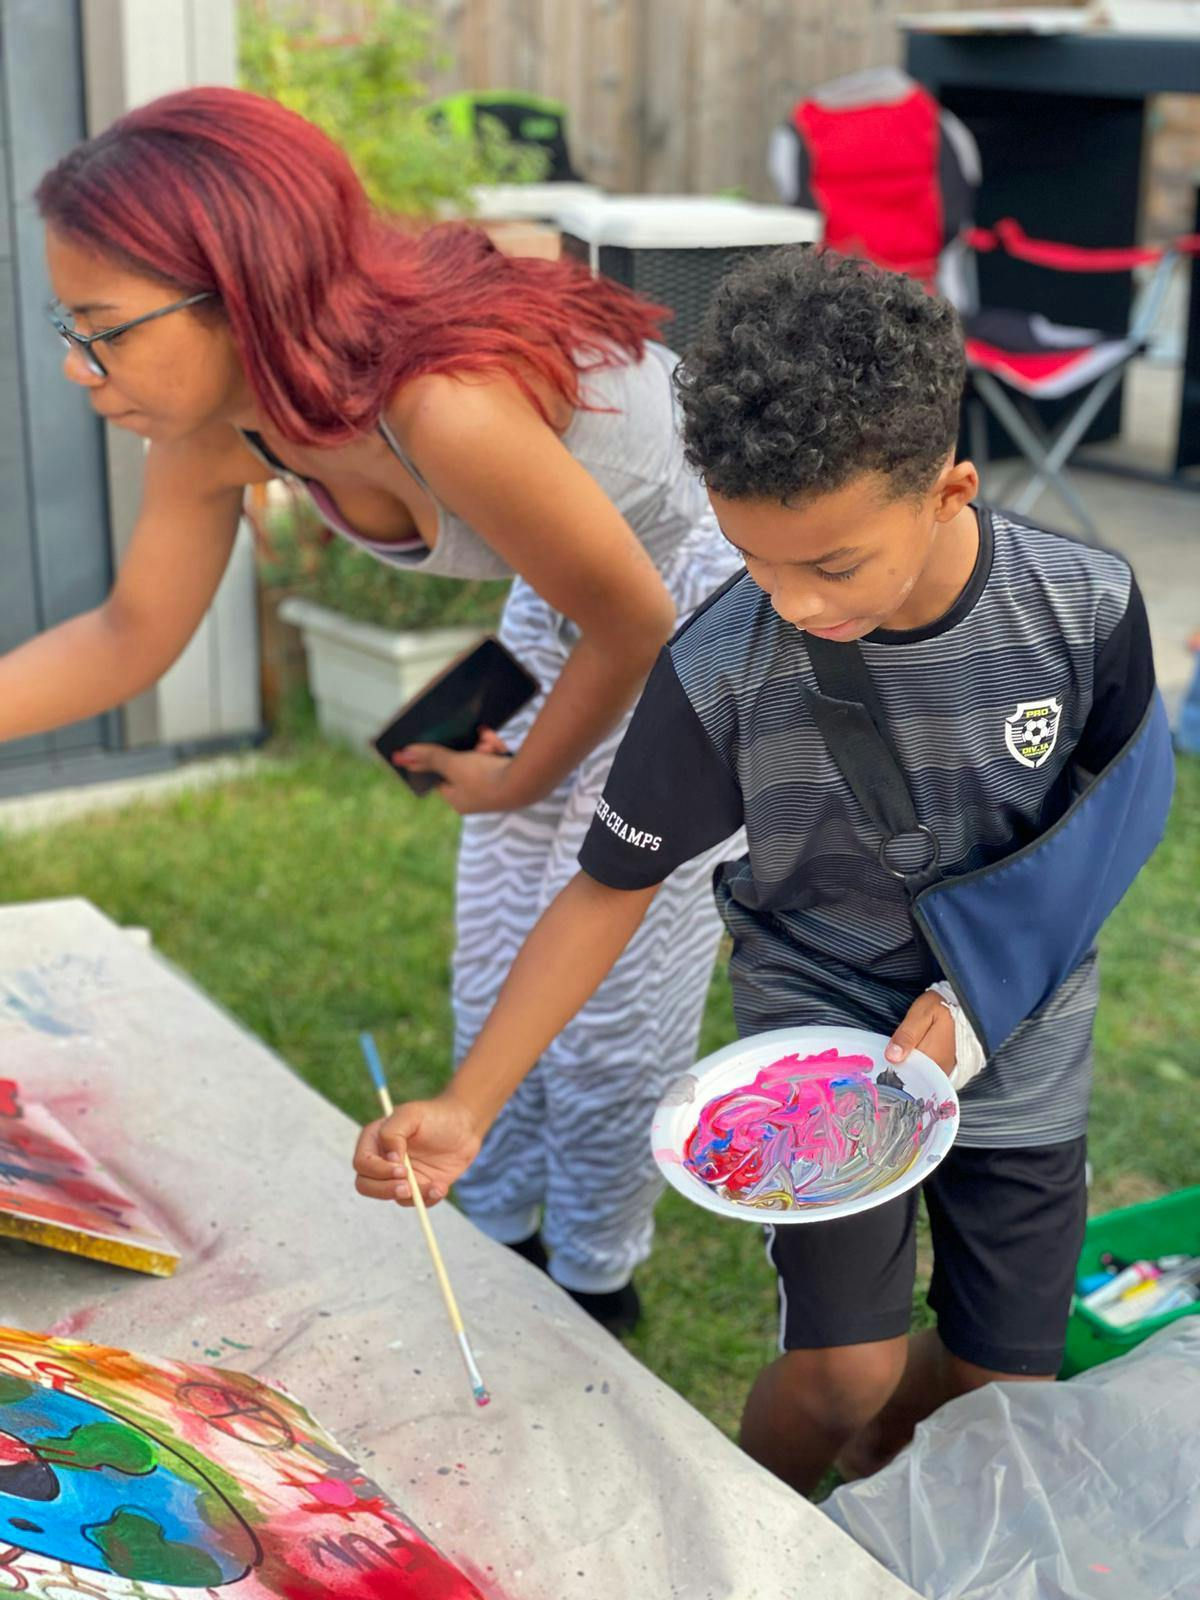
<point>851,720</point>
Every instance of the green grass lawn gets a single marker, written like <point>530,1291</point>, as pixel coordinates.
<point>313,899</point>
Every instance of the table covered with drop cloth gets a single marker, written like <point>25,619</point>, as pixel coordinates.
<point>585,1475</point>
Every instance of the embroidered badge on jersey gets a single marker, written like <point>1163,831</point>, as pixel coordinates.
<point>1031,732</point>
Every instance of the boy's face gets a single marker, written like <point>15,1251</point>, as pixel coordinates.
<point>841,564</point>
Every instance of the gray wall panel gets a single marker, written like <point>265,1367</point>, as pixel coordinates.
<point>18,599</point>
<point>53,503</point>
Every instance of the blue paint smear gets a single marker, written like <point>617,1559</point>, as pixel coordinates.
<point>41,1020</point>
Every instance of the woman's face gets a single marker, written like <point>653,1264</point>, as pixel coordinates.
<point>165,379</point>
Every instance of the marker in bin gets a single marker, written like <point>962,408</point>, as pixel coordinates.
<point>1121,1275</point>
<point>1132,1277</point>
<point>1157,1302</point>
<point>1150,1293</point>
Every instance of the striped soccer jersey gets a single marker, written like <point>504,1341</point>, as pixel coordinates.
<point>1039,672</point>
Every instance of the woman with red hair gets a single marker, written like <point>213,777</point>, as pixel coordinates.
<point>226,291</point>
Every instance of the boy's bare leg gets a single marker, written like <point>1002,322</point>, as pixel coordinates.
<point>931,1377</point>
<point>806,1406</point>
<point>917,1395</point>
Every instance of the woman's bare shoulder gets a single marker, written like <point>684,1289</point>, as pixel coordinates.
<point>441,406</point>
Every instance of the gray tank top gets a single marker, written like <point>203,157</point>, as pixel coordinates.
<point>630,444</point>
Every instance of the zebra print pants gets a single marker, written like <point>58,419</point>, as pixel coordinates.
<point>571,1150</point>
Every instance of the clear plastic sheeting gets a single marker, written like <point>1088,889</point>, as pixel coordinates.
<point>1086,1490</point>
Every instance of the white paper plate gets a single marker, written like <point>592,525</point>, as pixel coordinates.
<point>854,1138</point>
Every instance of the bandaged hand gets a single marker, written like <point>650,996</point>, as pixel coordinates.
<point>937,1025</point>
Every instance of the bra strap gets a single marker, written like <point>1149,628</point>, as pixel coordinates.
<point>402,455</point>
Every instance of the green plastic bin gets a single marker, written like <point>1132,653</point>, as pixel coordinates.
<point>1170,1226</point>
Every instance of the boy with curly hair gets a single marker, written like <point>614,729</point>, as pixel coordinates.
<point>1010,664</point>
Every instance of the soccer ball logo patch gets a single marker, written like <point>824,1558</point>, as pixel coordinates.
<point>1031,732</point>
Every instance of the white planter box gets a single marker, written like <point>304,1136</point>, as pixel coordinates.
<point>361,675</point>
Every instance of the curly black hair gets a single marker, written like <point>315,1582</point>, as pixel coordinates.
<point>812,368</point>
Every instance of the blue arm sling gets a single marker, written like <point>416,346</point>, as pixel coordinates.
<point>1005,935</point>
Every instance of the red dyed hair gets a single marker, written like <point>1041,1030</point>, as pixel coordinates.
<point>330,306</point>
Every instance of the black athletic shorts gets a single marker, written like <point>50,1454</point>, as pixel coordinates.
<point>1007,1229</point>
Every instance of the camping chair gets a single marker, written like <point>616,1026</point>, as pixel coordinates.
<point>1022,352</point>
<point>528,119</point>
<point>896,177</point>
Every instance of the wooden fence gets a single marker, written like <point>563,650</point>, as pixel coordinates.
<point>665,96</point>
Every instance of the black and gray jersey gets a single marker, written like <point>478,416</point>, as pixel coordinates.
<point>1039,674</point>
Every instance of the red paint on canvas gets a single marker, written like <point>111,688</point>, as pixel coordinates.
<point>49,1181</point>
<point>213,1482</point>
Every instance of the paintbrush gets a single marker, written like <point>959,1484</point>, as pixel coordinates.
<point>375,1068</point>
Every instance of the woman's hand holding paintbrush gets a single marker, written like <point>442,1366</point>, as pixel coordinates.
<point>446,1141</point>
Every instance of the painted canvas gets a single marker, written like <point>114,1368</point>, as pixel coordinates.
<point>52,1192</point>
<point>122,1477</point>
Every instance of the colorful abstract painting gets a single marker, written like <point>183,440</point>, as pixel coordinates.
<point>122,1477</point>
<point>810,1131</point>
<point>804,1124</point>
<point>52,1192</point>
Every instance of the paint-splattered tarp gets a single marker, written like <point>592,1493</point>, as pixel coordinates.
<point>124,1477</point>
<point>585,1476</point>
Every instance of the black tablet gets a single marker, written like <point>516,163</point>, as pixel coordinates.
<point>482,689</point>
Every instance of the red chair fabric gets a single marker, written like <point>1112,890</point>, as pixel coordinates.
<point>874,175</point>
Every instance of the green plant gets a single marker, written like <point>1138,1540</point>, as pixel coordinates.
<point>368,90</point>
<point>298,555</point>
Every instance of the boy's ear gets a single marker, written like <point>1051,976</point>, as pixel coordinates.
<point>956,487</point>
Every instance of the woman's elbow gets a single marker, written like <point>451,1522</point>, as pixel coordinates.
<point>633,630</point>
<point>140,649</point>
<point>650,629</point>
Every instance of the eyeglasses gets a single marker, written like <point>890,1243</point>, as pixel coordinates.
<point>85,343</point>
